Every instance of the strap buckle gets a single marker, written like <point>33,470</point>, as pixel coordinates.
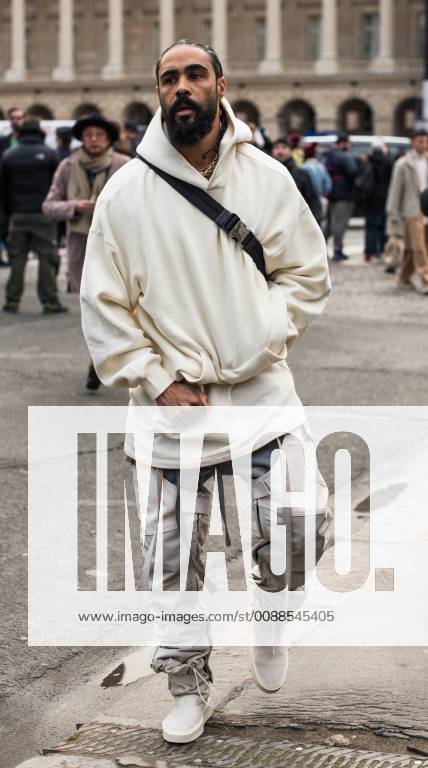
<point>239,232</point>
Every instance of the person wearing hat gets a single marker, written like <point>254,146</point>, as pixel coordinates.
<point>25,176</point>
<point>75,188</point>
<point>78,182</point>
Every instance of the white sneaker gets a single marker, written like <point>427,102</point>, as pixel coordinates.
<point>186,720</point>
<point>269,666</point>
<point>418,283</point>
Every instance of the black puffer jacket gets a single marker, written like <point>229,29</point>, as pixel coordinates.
<point>381,168</point>
<point>343,169</point>
<point>26,173</point>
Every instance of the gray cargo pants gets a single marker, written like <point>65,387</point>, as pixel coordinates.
<point>32,232</point>
<point>188,668</point>
<point>338,215</point>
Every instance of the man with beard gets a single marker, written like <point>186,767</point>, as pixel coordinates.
<point>175,309</point>
<point>16,117</point>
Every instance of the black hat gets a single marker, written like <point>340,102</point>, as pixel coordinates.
<point>100,122</point>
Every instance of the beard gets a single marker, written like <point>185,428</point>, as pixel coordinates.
<point>188,131</point>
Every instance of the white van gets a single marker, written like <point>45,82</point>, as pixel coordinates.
<point>361,145</point>
<point>48,126</point>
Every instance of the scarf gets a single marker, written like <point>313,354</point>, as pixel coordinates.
<point>87,178</point>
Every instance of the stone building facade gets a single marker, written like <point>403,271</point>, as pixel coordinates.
<point>291,64</point>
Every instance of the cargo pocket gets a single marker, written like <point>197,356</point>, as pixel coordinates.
<point>293,518</point>
<point>149,522</point>
<point>201,524</point>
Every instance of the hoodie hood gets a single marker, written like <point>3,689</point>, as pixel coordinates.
<point>158,150</point>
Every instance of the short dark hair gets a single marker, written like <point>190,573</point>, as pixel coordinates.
<point>14,109</point>
<point>342,136</point>
<point>418,132</point>
<point>281,140</point>
<point>218,69</point>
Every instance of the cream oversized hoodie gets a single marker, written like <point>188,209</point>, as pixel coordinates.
<point>167,296</point>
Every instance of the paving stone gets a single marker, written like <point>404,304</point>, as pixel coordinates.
<point>351,688</point>
<point>67,761</point>
<point>230,752</point>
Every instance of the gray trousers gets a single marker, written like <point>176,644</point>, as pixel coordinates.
<point>188,668</point>
<point>339,213</point>
<point>32,232</point>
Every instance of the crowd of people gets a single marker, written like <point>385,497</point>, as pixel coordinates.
<point>383,189</point>
<point>47,198</point>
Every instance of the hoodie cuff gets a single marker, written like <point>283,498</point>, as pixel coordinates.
<point>156,381</point>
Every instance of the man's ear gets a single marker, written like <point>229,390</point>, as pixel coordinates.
<point>221,86</point>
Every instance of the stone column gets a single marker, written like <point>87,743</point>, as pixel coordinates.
<point>65,68</point>
<point>385,58</point>
<point>114,67</point>
<point>272,63</point>
<point>167,23</point>
<point>327,63</point>
<point>219,27</point>
<point>17,63</point>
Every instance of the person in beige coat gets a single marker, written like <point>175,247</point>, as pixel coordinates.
<point>409,179</point>
<point>74,191</point>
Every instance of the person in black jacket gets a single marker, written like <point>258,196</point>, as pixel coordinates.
<point>343,169</point>
<point>8,141</point>
<point>25,176</point>
<point>282,151</point>
<point>376,178</point>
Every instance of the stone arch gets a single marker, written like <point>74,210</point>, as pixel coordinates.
<point>40,111</point>
<point>138,112</point>
<point>355,116</point>
<point>84,109</point>
<point>246,111</point>
<point>297,116</point>
<point>406,115</point>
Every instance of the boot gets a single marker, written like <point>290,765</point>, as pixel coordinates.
<point>186,721</point>
<point>54,309</point>
<point>269,654</point>
<point>92,382</point>
<point>269,665</point>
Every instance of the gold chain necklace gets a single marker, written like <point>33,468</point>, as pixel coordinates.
<point>208,171</point>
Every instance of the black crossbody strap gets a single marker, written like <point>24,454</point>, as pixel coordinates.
<point>227,221</point>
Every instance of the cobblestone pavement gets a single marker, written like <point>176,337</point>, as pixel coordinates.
<point>126,746</point>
